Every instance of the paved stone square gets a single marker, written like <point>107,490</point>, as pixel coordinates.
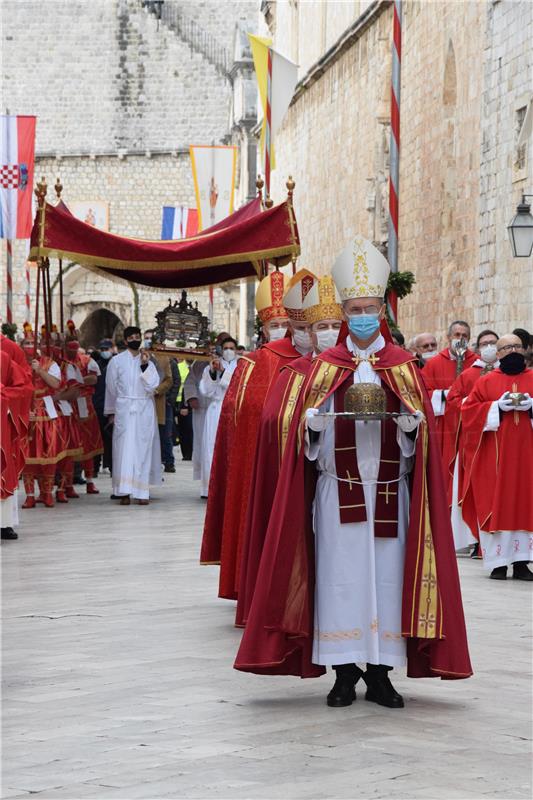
<point>118,681</point>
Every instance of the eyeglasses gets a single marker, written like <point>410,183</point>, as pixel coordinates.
<point>508,347</point>
<point>356,312</point>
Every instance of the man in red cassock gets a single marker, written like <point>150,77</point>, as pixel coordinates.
<point>47,443</point>
<point>323,313</point>
<point>16,391</point>
<point>277,299</point>
<point>464,522</point>
<point>439,373</point>
<point>358,563</point>
<point>497,425</point>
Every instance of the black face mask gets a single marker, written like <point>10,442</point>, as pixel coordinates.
<point>134,345</point>
<point>513,363</point>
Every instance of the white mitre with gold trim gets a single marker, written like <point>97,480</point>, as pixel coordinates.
<point>360,270</point>
<point>322,301</point>
<point>296,291</point>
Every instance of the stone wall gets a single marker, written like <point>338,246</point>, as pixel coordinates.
<point>505,283</point>
<point>466,79</point>
<point>118,98</point>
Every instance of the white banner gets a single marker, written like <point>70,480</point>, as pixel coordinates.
<point>213,169</point>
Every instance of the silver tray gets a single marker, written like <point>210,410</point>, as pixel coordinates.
<point>365,416</point>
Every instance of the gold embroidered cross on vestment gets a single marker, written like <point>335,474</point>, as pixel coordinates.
<point>371,358</point>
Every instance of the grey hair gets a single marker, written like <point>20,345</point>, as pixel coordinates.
<point>458,322</point>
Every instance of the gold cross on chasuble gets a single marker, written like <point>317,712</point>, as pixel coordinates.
<point>371,358</point>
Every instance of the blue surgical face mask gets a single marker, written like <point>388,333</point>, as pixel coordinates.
<point>105,354</point>
<point>363,325</point>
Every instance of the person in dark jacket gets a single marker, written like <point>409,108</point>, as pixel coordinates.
<point>102,358</point>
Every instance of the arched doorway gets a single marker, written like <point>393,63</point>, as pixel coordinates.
<point>98,325</point>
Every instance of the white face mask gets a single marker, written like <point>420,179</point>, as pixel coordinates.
<point>229,355</point>
<point>428,354</point>
<point>302,341</point>
<point>276,333</point>
<point>326,339</point>
<point>488,353</point>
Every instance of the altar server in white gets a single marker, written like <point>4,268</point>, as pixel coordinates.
<point>131,381</point>
<point>213,386</point>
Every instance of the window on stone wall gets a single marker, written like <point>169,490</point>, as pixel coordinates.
<point>522,133</point>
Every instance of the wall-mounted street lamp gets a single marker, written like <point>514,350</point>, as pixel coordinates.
<point>521,229</point>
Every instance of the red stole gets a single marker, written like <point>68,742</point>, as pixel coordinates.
<point>352,506</point>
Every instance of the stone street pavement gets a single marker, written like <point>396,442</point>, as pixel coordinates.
<point>118,679</point>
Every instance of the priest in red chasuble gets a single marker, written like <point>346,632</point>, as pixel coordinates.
<point>497,429</point>
<point>322,311</point>
<point>269,360</point>
<point>464,521</point>
<point>439,373</point>
<point>358,565</point>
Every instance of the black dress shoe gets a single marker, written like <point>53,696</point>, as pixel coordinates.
<point>115,496</point>
<point>499,574</point>
<point>9,533</point>
<point>521,571</point>
<point>343,691</point>
<point>170,468</point>
<point>379,688</point>
<point>79,481</point>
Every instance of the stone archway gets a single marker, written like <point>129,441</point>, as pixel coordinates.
<point>99,324</point>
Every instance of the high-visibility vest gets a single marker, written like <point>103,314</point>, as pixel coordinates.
<point>184,371</point>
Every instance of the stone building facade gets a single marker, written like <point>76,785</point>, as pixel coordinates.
<point>119,96</point>
<point>467,82</point>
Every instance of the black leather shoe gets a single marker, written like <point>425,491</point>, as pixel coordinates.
<point>9,533</point>
<point>343,691</point>
<point>170,468</point>
<point>521,571</point>
<point>499,574</point>
<point>379,688</point>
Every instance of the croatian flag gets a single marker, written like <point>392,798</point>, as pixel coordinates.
<point>17,149</point>
<point>179,222</point>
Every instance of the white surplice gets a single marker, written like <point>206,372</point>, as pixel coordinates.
<point>215,390</point>
<point>191,390</point>
<point>129,395</point>
<point>359,578</point>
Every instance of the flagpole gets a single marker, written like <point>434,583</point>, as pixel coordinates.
<point>58,189</point>
<point>394,180</point>
<point>9,278</point>
<point>28,287</point>
<point>268,127</point>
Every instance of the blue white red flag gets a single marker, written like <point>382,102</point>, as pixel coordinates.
<point>179,222</point>
<point>17,153</point>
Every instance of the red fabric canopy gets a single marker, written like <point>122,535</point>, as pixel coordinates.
<point>230,250</point>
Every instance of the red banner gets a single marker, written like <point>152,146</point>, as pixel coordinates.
<point>230,250</point>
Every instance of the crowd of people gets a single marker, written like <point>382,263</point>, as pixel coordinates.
<point>343,467</point>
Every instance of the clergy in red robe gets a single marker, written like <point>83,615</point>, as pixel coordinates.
<point>439,373</point>
<point>464,521</point>
<point>358,563</point>
<point>323,312</point>
<point>498,445</point>
<point>15,399</point>
<point>274,320</point>
<point>270,359</point>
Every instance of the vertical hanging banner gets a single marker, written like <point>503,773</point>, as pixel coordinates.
<point>213,170</point>
<point>17,148</point>
<point>17,155</point>
<point>276,80</point>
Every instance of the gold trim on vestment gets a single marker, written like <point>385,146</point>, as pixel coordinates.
<point>288,407</point>
<point>243,383</point>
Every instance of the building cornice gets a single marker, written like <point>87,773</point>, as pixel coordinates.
<point>119,153</point>
<point>343,43</point>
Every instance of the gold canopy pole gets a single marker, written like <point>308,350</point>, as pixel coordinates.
<point>59,188</point>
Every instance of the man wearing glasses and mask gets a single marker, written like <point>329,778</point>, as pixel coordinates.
<point>439,373</point>
<point>498,451</point>
<point>131,381</point>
